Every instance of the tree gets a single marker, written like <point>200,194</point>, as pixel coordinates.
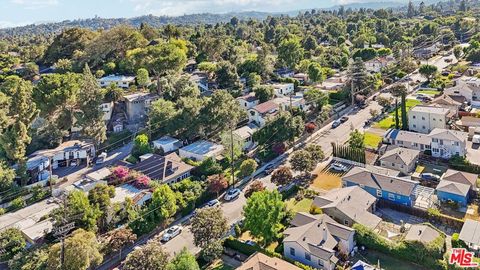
<point>81,252</point>
<point>143,78</point>
<point>208,226</point>
<point>163,204</point>
<point>302,161</point>
<point>7,176</point>
<point>263,213</point>
<point>385,102</point>
<point>183,261</point>
<point>115,240</point>
<point>208,67</point>
<point>217,183</point>
<point>99,197</point>
<point>90,114</point>
<point>162,116</point>
<point>316,152</point>
<point>282,128</point>
<point>317,97</point>
<point>209,166</point>
<point>282,176</point>
<point>221,112</point>
<point>358,74</point>
<point>428,71</point>
<point>248,167</point>
<point>78,204</point>
<point>315,72</point>
<point>400,90</point>
<point>141,146</point>
<point>264,93</point>
<point>151,256</point>
<point>356,140</point>
<point>255,186</point>
<point>290,52</point>
<point>227,76</point>
<point>67,43</point>
<point>11,242</point>
<point>177,87</point>
<point>410,10</point>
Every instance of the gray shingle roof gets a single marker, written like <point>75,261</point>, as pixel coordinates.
<point>453,188</point>
<point>397,185</point>
<point>447,134</point>
<point>422,233</point>
<point>470,232</point>
<point>400,155</point>
<point>460,177</point>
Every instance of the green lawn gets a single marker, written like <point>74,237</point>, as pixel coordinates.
<point>389,121</point>
<point>372,140</point>
<point>386,262</point>
<point>301,206</point>
<point>429,92</point>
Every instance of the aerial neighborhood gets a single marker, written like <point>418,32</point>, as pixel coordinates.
<point>340,138</point>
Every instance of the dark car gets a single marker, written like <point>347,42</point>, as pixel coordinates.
<point>344,119</point>
<point>429,177</point>
<point>269,169</point>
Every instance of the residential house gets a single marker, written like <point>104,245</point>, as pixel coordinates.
<point>245,134</point>
<point>348,206</point>
<point>407,139</point>
<point>427,51</point>
<point>284,72</point>
<point>302,78</point>
<point>37,169</point>
<point>283,89</point>
<point>454,103</point>
<point>457,186</point>
<point>201,150</point>
<point>167,144</point>
<point>470,234</point>
<point>447,143</point>
<point>334,83</point>
<point>468,122</point>
<point>468,87</point>
<point>248,101</point>
<point>93,179</point>
<point>119,80</point>
<point>379,63</point>
<point>107,109</point>
<point>262,112</point>
<point>296,101</point>
<point>260,261</point>
<point>423,233</point>
<point>139,196</point>
<point>424,119</point>
<point>317,240</point>
<point>167,169</point>
<point>383,186</point>
<point>201,79</point>
<point>400,159</point>
<point>138,105</point>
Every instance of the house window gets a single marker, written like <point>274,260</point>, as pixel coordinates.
<point>393,164</point>
<point>320,263</point>
<point>292,251</point>
<point>345,222</point>
<point>307,257</point>
<point>423,118</point>
<point>434,140</point>
<point>435,150</point>
<point>441,142</point>
<point>434,119</point>
<point>391,196</point>
<point>423,127</point>
<point>456,143</point>
<point>414,125</point>
<point>440,120</point>
<point>414,117</point>
<point>379,193</point>
<point>415,144</point>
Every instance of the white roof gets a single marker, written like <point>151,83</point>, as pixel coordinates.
<point>125,191</point>
<point>202,147</point>
<point>165,140</point>
<point>117,78</point>
<point>99,174</point>
<point>430,109</point>
<point>245,132</point>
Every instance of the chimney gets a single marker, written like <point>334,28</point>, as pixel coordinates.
<point>324,233</point>
<point>169,166</point>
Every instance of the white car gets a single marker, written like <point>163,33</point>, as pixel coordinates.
<point>232,194</point>
<point>171,233</point>
<point>101,158</point>
<point>212,203</point>
<point>339,167</point>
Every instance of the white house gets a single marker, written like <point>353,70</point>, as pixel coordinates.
<point>245,134</point>
<point>201,150</point>
<point>379,63</point>
<point>107,108</point>
<point>295,101</point>
<point>408,139</point>
<point>283,89</point>
<point>167,144</point>
<point>447,143</point>
<point>317,240</point>
<point>470,234</point>
<point>424,119</point>
<point>70,153</point>
<point>262,112</point>
<point>468,87</point>
<point>248,101</point>
<point>119,80</point>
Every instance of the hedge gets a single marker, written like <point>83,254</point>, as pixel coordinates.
<point>430,256</point>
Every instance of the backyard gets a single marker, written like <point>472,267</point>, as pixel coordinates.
<point>326,180</point>
<point>386,262</point>
<point>429,92</point>
<point>299,206</point>
<point>389,121</point>
<point>372,140</point>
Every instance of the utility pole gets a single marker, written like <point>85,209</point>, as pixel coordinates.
<point>50,176</point>
<point>62,231</point>
<point>231,155</point>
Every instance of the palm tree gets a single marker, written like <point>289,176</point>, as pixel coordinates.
<point>400,90</point>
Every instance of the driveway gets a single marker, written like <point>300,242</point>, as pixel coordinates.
<point>473,152</point>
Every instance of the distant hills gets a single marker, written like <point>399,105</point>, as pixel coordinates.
<point>157,21</point>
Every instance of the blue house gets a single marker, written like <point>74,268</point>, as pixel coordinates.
<point>382,185</point>
<point>453,191</point>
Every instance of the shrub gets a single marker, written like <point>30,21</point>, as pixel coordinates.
<point>142,182</point>
<point>315,210</point>
<point>120,174</point>
<point>18,203</point>
<point>456,242</point>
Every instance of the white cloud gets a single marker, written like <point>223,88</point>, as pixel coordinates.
<point>35,4</point>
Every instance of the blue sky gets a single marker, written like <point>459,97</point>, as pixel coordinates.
<point>21,12</point>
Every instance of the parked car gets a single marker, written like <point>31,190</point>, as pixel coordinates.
<point>232,194</point>
<point>212,203</point>
<point>101,158</point>
<point>283,188</point>
<point>339,167</point>
<point>250,243</point>
<point>429,177</point>
<point>171,233</point>
<point>344,119</point>
<point>269,169</point>
<point>336,123</point>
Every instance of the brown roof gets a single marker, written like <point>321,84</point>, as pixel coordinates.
<point>460,177</point>
<point>266,107</point>
<point>260,261</point>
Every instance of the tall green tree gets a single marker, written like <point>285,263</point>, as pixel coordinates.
<point>143,77</point>
<point>264,93</point>
<point>248,167</point>
<point>164,203</point>
<point>428,71</point>
<point>208,226</point>
<point>302,161</point>
<point>400,90</point>
<point>221,112</point>
<point>356,140</point>
<point>263,213</point>
<point>81,252</point>
<point>290,52</point>
<point>90,114</point>
<point>7,175</point>
<point>11,242</point>
<point>183,261</point>
<point>151,256</point>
